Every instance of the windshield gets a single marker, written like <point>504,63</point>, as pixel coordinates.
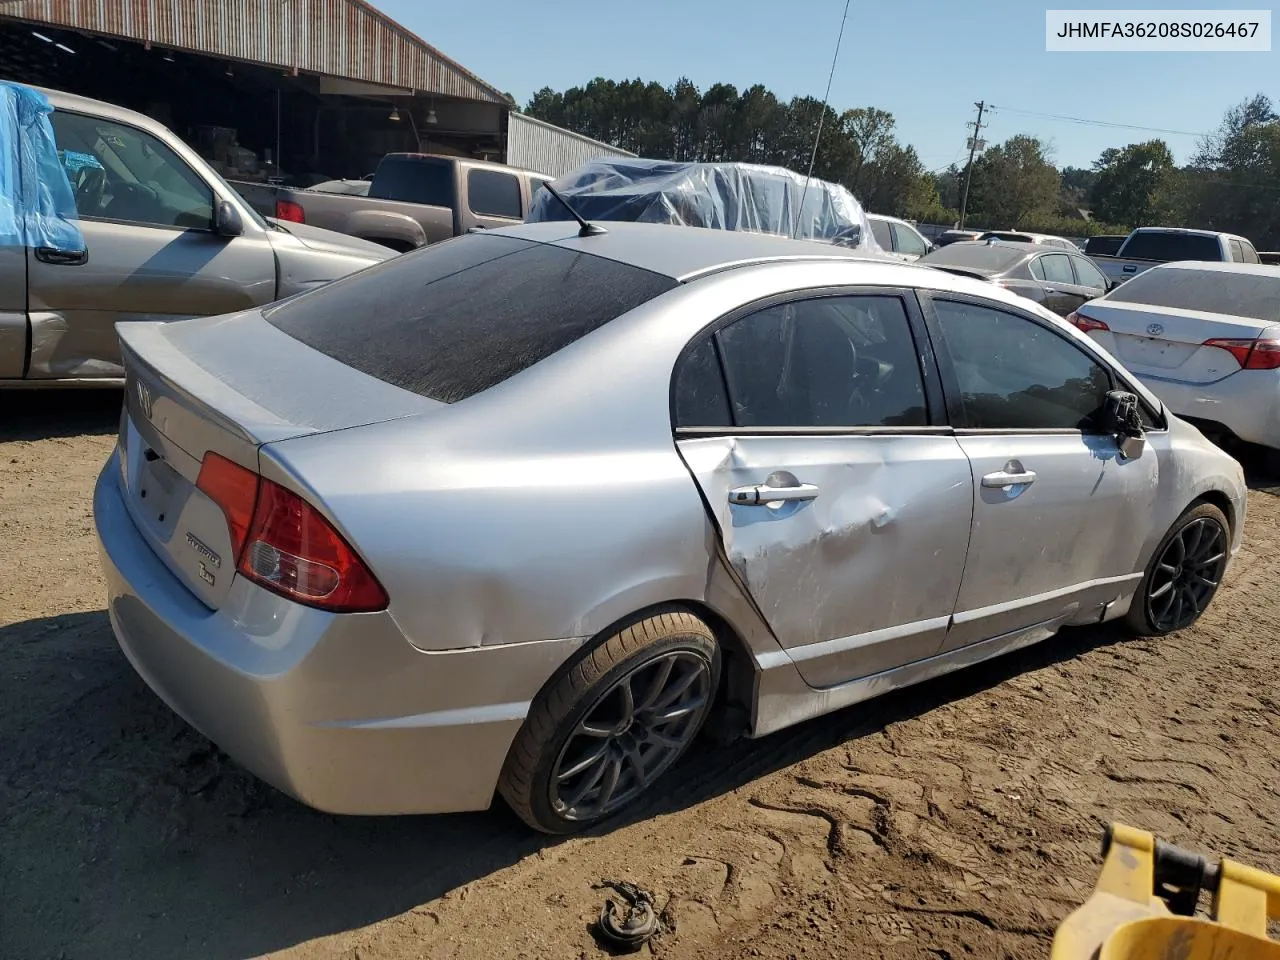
<point>1255,294</point>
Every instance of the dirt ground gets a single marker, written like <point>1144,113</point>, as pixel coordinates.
<point>961,818</point>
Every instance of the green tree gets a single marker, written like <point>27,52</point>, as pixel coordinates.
<point>1011,182</point>
<point>1128,180</point>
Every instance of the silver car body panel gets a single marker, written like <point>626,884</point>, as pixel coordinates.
<point>510,527</point>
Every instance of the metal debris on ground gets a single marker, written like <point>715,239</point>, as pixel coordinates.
<point>627,926</point>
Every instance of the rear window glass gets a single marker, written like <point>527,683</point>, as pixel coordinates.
<point>414,180</point>
<point>1253,295</point>
<point>982,255</point>
<point>1103,246</point>
<point>461,316</point>
<point>1172,246</point>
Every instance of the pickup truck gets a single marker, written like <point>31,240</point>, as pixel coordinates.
<point>165,238</point>
<point>413,199</point>
<point>1148,246</point>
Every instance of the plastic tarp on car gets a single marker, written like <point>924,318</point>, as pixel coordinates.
<point>727,196</point>
<point>37,204</point>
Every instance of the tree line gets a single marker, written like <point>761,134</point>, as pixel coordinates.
<point>1231,183</point>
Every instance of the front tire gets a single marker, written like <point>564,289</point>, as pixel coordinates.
<point>1184,574</point>
<point>599,736</point>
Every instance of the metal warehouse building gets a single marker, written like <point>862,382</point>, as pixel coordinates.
<point>299,90</point>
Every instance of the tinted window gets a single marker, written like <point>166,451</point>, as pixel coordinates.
<point>1255,294</point>
<point>880,230</point>
<point>414,180</point>
<point>1057,268</point>
<point>458,317</point>
<point>701,400</point>
<point>1036,267</point>
<point>1011,373</point>
<point>120,173</point>
<point>988,258</point>
<point>1172,246</point>
<point>827,362</point>
<point>493,194</point>
<point>907,241</point>
<point>1088,275</point>
<point>1103,246</point>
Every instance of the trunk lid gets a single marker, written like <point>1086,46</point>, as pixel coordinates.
<point>1169,343</point>
<point>227,385</point>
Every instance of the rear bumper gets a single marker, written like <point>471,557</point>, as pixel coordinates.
<point>1247,403</point>
<point>339,711</point>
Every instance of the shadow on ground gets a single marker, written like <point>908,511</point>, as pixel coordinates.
<point>127,834</point>
<point>37,414</point>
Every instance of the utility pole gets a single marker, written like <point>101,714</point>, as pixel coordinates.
<point>968,170</point>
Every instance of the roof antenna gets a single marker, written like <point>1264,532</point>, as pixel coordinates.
<point>588,229</point>
<point>813,157</point>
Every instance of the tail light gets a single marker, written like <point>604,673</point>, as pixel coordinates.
<point>284,544</point>
<point>1260,354</point>
<point>1083,323</point>
<point>288,210</point>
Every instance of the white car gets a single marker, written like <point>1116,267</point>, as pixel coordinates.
<point>898,238</point>
<point>1204,337</point>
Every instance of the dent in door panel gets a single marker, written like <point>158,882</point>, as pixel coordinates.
<point>865,576</point>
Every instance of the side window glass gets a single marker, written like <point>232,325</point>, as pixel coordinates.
<point>121,173</point>
<point>906,241</point>
<point>826,362</point>
<point>1237,253</point>
<point>1250,254</point>
<point>1088,275</point>
<point>880,230</point>
<point>493,194</point>
<point>700,398</point>
<point>1037,268</point>
<point>1010,373</point>
<point>1057,268</point>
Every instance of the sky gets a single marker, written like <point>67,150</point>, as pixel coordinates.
<point>925,61</point>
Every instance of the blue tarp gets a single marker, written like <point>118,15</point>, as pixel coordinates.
<point>37,204</point>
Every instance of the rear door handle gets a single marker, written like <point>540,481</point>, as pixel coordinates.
<point>1003,479</point>
<point>759,495</point>
<point>67,258</point>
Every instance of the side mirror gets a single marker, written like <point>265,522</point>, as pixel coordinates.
<point>226,220</point>
<point>1121,418</point>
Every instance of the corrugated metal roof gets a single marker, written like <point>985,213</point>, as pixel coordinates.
<point>342,38</point>
<point>549,149</point>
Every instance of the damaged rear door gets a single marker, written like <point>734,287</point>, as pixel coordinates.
<point>813,427</point>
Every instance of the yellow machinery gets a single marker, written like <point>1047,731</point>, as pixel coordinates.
<point>1144,904</point>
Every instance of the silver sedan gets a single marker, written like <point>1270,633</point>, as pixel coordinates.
<point>517,513</point>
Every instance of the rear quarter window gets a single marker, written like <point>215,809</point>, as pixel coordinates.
<point>458,317</point>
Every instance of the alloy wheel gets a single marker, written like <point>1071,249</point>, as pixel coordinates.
<point>1187,575</point>
<point>631,735</point>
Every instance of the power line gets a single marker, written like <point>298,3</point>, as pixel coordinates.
<point>1100,123</point>
<point>813,157</point>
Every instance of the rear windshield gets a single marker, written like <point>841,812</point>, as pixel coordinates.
<point>414,180</point>
<point>1253,295</point>
<point>988,258</point>
<point>1172,246</point>
<point>461,316</point>
<point>1014,237</point>
<point>1104,246</point>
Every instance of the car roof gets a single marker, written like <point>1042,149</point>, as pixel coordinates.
<point>1215,266</point>
<point>683,253</point>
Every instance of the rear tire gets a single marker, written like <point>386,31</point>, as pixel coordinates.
<point>601,734</point>
<point>1184,574</point>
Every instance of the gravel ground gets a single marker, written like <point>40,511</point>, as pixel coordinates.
<point>960,818</point>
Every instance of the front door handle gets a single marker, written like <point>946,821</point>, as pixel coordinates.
<point>759,495</point>
<point>66,258</point>
<point>1002,478</point>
